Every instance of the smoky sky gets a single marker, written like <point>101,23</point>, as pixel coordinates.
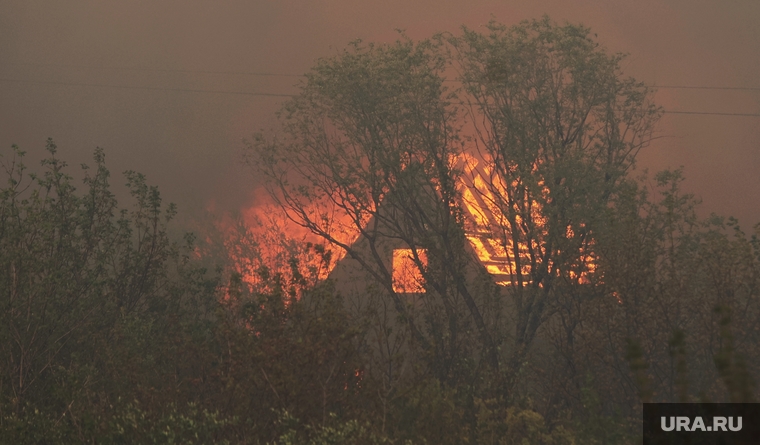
<point>69,69</point>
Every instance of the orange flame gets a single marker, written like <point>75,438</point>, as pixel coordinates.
<point>486,219</point>
<point>407,277</point>
<point>266,238</point>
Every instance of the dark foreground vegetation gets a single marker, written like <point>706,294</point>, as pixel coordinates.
<point>112,332</point>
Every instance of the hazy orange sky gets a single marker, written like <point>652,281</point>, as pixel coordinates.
<point>189,143</point>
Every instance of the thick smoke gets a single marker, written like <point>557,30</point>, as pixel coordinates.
<point>189,143</point>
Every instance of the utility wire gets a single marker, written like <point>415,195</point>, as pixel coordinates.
<point>713,113</point>
<point>269,74</point>
<point>160,70</point>
<point>253,93</point>
<point>129,87</point>
<point>684,87</point>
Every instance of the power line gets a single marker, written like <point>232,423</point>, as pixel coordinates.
<point>251,93</point>
<point>159,70</point>
<point>270,74</point>
<point>685,87</point>
<point>129,87</point>
<point>713,113</point>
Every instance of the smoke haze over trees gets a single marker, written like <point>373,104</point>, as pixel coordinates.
<point>189,143</point>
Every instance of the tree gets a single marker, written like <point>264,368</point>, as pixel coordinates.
<point>377,141</point>
<point>81,283</point>
<point>368,144</point>
<point>557,128</point>
<point>688,299</point>
<point>111,333</point>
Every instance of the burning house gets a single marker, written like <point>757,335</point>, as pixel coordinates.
<point>453,299</point>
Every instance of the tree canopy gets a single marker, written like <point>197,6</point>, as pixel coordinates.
<point>385,138</point>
